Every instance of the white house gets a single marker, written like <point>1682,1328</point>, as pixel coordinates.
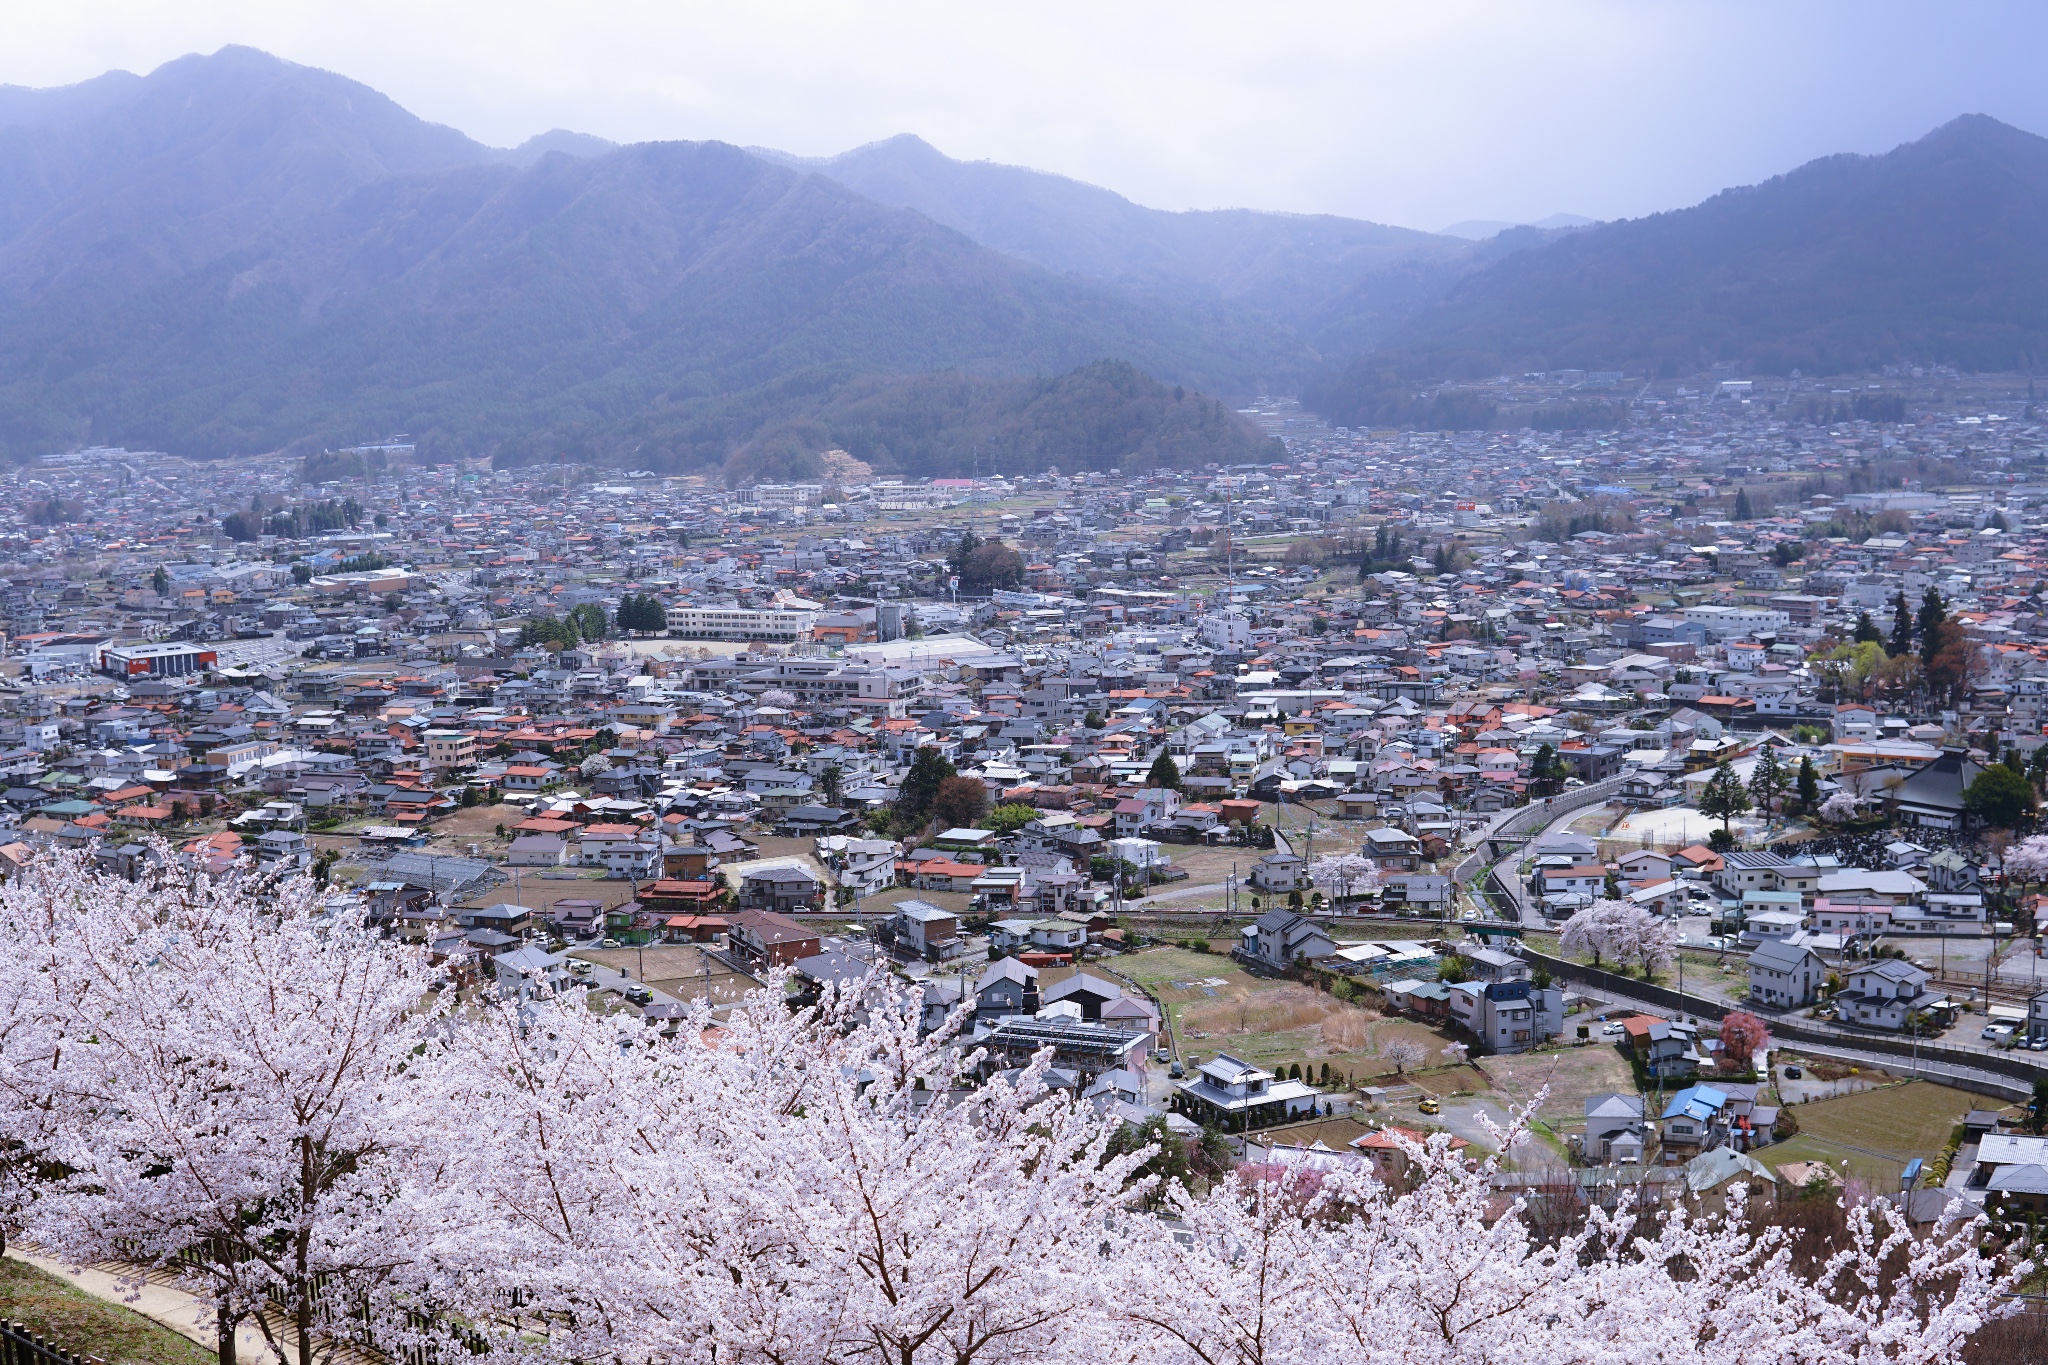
<point>1235,1095</point>
<point>1783,976</point>
<point>1884,994</point>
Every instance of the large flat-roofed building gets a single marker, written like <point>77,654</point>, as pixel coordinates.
<point>171,659</point>
<point>739,623</point>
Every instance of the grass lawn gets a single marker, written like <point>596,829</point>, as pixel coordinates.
<point>76,1321</point>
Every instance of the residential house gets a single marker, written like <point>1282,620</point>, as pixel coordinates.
<point>1278,938</point>
<point>1235,1096</point>
<point>1006,986</point>
<point>1507,1016</point>
<point>1782,976</point>
<point>781,888</point>
<point>1885,994</point>
<point>1695,1118</point>
<point>924,930</point>
<point>1421,893</point>
<point>763,938</point>
<point>1616,1132</point>
<point>1280,872</point>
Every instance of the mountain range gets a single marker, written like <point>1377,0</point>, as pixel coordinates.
<point>238,254</point>
<point>235,254</point>
<point>1935,251</point>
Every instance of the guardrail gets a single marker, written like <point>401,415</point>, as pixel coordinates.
<point>19,1346</point>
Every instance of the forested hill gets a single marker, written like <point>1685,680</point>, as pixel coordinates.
<point>237,254</point>
<point>1936,251</point>
<point>1102,416</point>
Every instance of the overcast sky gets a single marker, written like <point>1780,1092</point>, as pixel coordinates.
<point>1417,114</point>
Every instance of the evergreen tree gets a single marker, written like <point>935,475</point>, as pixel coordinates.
<point>1723,797</point>
<point>588,622</point>
<point>161,582</point>
<point>2000,797</point>
<point>1165,772</point>
<point>957,561</point>
<point>1867,631</point>
<point>1767,778</point>
<point>1933,611</point>
<point>1742,508</point>
<point>921,787</point>
<point>1902,627</point>
<point>1809,784</point>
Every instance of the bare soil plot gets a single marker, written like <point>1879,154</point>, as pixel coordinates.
<point>1875,1133</point>
<point>478,822</point>
<point>1565,1079</point>
<point>1451,1080</point>
<point>1216,1006</point>
<point>1913,1119</point>
<point>681,970</point>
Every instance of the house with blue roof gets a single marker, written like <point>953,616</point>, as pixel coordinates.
<point>1696,1117</point>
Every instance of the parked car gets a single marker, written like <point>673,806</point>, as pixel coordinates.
<point>1998,1033</point>
<point>1430,1105</point>
<point>1613,1031</point>
<point>1793,1073</point>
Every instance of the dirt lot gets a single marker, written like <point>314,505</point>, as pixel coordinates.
<point>1216,1007</point>
<point>680,970</point>
<point>1914,1118</point>
<point>1564,1078</point>
<point>478,822</point>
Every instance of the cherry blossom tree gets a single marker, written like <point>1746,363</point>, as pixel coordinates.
<point>1436,1274</point>
<point>1404,1053</point>
<point>778,1188</point>
<point>232,1080</point>
<point>1344,872</point>
<point>1743,1035</point>
<point>1616,929</point>
<point>2027,861</point>
<point>224,1067</point>
<point>1590,931</point>
<point>38,919</point>
<point>1842,806</point>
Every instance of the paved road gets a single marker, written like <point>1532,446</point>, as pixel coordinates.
<point>1921,1068</point>
<point>1553,814</point>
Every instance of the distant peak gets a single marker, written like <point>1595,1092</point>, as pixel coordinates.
<point>1977,128</point>
<point>1479,229</point>
<point>558,140</point>
<point>901,145</point>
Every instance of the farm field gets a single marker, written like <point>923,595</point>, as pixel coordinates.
<point>1876,1132</point>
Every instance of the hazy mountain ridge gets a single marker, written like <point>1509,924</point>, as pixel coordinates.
<point>234,253</point>
<point>1935,251</point>
<point>1339,282</point>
